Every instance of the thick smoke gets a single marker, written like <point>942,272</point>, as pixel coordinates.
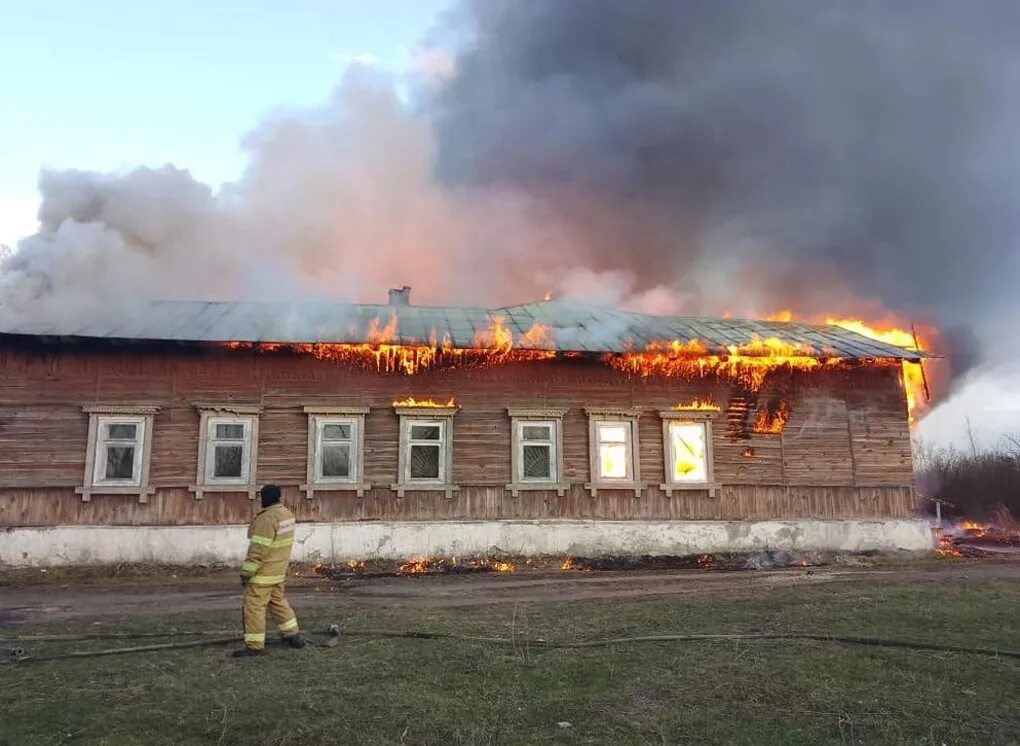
<point>793,149</point>
<point>338,202</point>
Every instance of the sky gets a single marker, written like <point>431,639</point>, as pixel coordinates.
<point>111,84</point>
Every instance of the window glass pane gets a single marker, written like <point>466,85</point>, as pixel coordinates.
<point>536,432</point>
<point>613,433</point>
<point>690,462</point>
<point>424,462</point>
<point>228,461</point>
<point>613,461</point>
<point>336,461</point>
<point>121,431</point>
<point>336,431</point>
<point>424,432</point>
<point>120,462</point>
<point>230,431</point>
<point>537,462</point>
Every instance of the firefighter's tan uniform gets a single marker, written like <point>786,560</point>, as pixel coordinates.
<point>271,537</point>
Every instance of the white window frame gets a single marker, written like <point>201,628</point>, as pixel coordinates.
<point>101,415</point>
<point>551,418</point>
<point>211,415</point>
<point>318,418</point>
<point>687,417</point>
<point>629,419</point>
<point>212,442</point>
<point>441,416</point>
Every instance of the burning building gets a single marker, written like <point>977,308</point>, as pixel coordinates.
<point>399,431</point>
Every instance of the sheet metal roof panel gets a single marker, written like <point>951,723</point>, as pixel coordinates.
<point>574,326</point>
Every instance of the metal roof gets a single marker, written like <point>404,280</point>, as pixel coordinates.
<point>573,326</point>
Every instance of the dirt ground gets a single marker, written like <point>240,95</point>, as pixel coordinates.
<point>29,598</point>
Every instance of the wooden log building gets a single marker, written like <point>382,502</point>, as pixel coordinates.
<point>398,430</point>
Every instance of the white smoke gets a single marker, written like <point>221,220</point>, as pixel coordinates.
<point>337,202</point>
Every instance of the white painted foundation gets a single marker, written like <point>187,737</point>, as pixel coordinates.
<point>330,542</point>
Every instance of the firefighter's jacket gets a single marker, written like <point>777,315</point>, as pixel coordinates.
<point>271,537</point>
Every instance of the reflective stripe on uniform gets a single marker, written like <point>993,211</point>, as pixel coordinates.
<point>267,579</point>
<point>255,637</point>
<point>249,566</point>
<point>282,542</point>
<point>285,525</point>
<point>262,541</point>
<point>288,625</point>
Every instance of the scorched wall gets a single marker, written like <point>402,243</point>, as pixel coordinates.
<point>844,453</point>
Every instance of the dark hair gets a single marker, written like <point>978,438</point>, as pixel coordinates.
<point>270,494</point>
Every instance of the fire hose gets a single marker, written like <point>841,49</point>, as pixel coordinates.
<point>334,633</point>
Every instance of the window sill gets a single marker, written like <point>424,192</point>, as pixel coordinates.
<point>87,492</point>
<point>311,489</point>
<point>403,487</point>
<point>594,487</point>
<point>201,489</point>
<point>517,487</point>
<point>670,488</point>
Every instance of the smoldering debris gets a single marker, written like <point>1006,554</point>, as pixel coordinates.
<point>504,563</point>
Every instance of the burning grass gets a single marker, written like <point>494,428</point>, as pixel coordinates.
<point>430,566</point>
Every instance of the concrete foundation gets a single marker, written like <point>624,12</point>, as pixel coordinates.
<point>330,542</point>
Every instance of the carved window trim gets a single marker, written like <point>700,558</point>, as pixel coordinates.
<point>671,416</point>
<point>443,416</point>
<point>629,418</point>
<point>518,419</point>
<point>209,414</point>
<point>100,414</point>
<point>317,418</point>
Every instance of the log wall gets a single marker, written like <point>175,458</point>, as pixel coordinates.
<point>845,451</point>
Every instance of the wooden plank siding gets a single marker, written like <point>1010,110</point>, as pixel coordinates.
<point>845,451</point>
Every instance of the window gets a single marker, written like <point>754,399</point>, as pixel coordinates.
<point>614,450</point>
<point>613,443</point>
<point>687,447</point>
<point>335,447</point>
<point>228,450</point>
<point>537,442</point>
<point>426,448</point>
<point>119,451</point>
<point>426,444</point>
<point>688,457</point>
<point>117,459</point>
<point>228,444</point>
<point>537,446</point>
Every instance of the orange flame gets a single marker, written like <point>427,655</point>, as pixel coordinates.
<point>946,546</point>
<point>416,566</point>
<point>698,405</point>
<point>746,364</point>
<point>976,530</point>
<point>912,379</point>
<point>491,346</point>
<point>431,403</point>
<point>771,418</point>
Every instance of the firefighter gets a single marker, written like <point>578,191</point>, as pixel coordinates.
<point>271,536</point>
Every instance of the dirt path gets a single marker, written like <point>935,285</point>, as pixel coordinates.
<point>102,599</point>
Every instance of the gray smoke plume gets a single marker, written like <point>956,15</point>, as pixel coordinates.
<point>807,152</point>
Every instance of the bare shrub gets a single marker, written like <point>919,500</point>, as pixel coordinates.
<point>982,485</point>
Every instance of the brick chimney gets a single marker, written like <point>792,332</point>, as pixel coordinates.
<point>400,296</point>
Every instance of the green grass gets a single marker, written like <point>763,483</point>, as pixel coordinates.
<point>376,691</point>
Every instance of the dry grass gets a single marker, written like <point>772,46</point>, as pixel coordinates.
<point>376,691</point>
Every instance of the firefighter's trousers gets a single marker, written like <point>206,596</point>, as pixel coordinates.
<point>256,599</point>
